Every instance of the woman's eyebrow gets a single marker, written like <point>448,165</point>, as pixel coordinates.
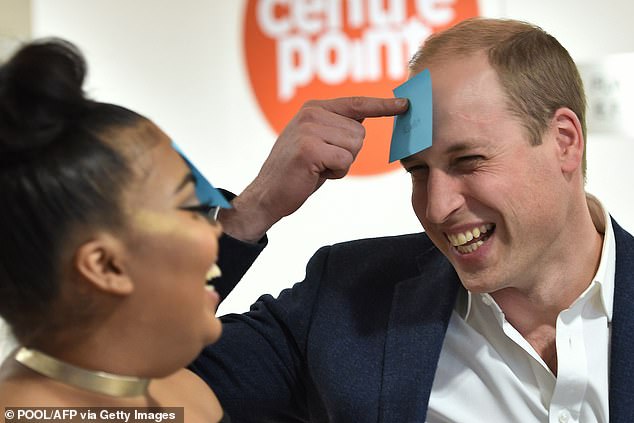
<point>189,177</point>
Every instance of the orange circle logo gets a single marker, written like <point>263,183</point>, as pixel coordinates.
<point>297,50</point>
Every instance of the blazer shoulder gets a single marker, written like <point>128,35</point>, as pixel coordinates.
<point>416,241</point>
<point>396,255</point>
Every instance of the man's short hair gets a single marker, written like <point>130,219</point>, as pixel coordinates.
<point>536,72</point>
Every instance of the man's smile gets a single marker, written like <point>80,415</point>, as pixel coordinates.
<point>471,239</point>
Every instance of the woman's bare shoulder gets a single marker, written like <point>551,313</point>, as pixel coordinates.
<point>185,389</point>
<point>27,393</point>
<point>16,388</point>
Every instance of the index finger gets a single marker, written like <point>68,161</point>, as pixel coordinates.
<point>359,108</point>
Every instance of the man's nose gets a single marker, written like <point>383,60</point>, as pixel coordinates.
<point>444,195</point>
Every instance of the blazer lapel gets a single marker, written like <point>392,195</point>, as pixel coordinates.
<point>419,316</point>
<point>622,347</point>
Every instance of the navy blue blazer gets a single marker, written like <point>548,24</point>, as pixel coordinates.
<point>359,339</point>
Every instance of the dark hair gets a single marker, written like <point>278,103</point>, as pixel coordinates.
<point>59,169</point>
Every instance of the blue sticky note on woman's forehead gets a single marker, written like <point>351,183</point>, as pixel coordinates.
<point>205,192</point>
<point>412,131</point>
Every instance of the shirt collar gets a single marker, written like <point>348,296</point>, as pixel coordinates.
<point>607,265</point>
<point>604,276</point>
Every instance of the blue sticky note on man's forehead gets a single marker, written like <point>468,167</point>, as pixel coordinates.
<point>205,192</point>
<point>412,131</point>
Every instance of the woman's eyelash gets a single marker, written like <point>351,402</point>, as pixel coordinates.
<point>199,208</point>
<point>207,210</point>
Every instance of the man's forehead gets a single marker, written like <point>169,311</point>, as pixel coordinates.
<point>466,99</point>
<point>417,158</point>
<point>446,149</point>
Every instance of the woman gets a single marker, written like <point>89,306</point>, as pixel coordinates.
<point>105,248</point>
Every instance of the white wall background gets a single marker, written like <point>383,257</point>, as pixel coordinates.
<point>181,64</point>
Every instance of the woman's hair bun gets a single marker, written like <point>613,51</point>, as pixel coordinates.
<point>40,95</point>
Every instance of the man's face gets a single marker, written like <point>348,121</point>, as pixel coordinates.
<point>490,201</point>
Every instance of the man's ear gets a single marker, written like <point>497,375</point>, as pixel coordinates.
<point>569,138</point>
<point>100,261</point>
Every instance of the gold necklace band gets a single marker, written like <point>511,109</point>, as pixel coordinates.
<point>95,381</point>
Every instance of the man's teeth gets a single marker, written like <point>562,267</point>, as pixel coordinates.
<point>213,272</point>
<point>460,239</point>
<point>469,248</point>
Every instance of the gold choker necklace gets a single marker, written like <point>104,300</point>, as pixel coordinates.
<point>95,381</point>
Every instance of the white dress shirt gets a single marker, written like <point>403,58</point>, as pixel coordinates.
<point>488,372</point>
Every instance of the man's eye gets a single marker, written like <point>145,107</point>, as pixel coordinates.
<point>416,169</point>
<point>469,159</point>
<point>418,173</point>
<point>468,162</point>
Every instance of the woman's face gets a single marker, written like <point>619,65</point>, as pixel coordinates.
<point>169,252</point>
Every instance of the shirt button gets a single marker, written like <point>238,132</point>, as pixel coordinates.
<point>564,416</point>
<point>486,300</point>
